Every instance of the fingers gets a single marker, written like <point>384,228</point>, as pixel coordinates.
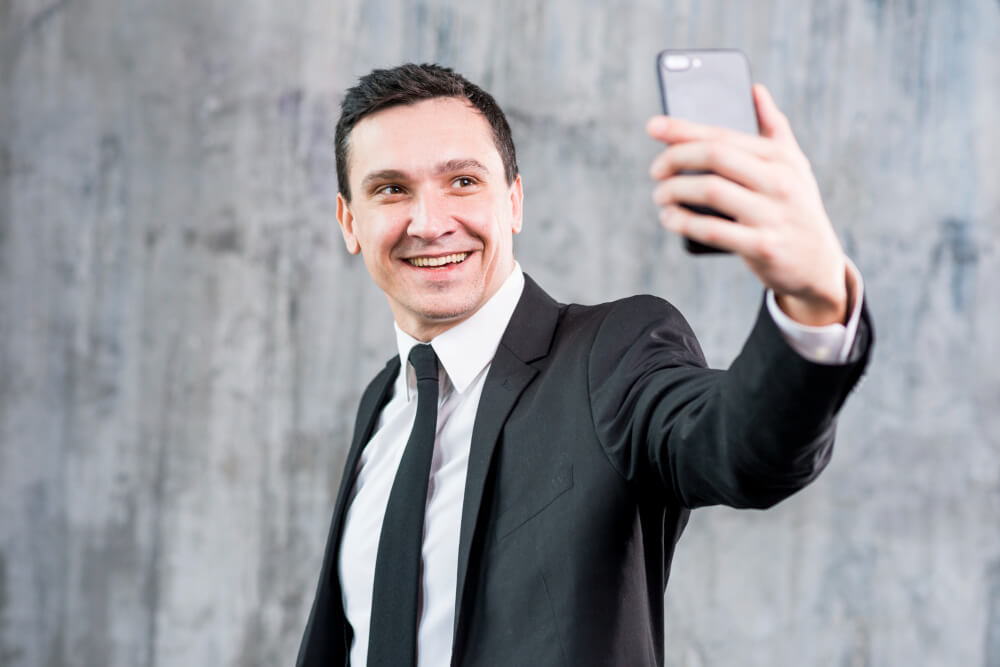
<point>774,125</point>
<point>776,141</point>
<point>769,164</point>
<point>715,192</point>
<point>772,122</point>
<point>765,183</point>
<point>710,230</point>
<point>673,131</point>
<point>737,166</point>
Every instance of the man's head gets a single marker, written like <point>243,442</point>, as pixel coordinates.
<point>409,84</point>
<point>429,193</point>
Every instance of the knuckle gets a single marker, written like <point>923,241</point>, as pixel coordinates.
<point>676,218</point>
<point>771,152</point>
<point>715,155</point>
<point>684,219</point>
<point>660,165</point>
<point>765,249</point>
<point>669,163</point>
<point>710,236</point>
<point>714,190</point>
<point>661,194</point>
<point>664,166</point>
<point>784,185</point>
<point>776,150</point>
<point>789,155</point>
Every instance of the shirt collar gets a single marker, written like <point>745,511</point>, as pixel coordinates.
<point>467,348</point>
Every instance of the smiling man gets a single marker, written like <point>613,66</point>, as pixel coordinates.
<point>430,210</point>
<point>520,473</point>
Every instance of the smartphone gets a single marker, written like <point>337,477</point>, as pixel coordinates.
<point>709,86</point>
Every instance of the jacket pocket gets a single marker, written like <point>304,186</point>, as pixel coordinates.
<point>534,501</point>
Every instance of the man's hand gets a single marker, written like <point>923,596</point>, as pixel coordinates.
<point>766,184</point>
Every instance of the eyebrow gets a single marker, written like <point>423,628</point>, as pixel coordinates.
<point>468,164</point>
<point>448,166</point>
<point>382,175</point>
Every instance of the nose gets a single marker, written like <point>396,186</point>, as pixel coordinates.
<point>429,218</point>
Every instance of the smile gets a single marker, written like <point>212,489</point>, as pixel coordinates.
<point>455,258</point>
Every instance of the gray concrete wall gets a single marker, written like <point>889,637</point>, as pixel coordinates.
<point>183,338</point>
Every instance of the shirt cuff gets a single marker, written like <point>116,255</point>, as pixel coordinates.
<point>830,344</point>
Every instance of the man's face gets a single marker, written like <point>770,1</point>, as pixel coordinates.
<point>431,211</point>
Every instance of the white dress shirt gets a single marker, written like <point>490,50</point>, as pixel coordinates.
<point>465,353</point>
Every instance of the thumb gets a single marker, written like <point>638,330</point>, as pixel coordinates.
<point>773,123</point>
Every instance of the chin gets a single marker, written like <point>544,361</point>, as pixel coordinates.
<point>439,312</point>
<point>446,315</point>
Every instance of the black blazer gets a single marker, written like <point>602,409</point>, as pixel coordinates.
<point>599,428</point>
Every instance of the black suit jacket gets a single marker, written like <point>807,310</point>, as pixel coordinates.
<point>599,428</point>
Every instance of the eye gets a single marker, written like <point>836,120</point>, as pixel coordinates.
<point>390,190</point>
<point>464,181</point>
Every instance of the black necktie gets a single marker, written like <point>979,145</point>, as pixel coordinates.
<point>393,631</point>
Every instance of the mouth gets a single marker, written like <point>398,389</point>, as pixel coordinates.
<point>435,262</point>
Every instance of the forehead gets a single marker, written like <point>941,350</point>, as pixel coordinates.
<point>417,136</point>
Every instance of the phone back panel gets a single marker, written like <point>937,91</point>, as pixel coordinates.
<point>710,86</point>
<point>715,89</point>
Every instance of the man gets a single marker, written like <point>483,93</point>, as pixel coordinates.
<point>564,445</point>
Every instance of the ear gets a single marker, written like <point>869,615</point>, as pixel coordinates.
<point>516,204</point>
<point>346,220</point>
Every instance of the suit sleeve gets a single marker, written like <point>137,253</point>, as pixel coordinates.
<point>746,437</point>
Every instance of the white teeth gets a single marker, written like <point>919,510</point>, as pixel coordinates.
<point>438,261</point>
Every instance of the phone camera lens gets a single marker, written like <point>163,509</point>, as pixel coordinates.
<point>676,62</point>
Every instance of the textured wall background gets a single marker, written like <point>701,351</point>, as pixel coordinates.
<point>183,338</point>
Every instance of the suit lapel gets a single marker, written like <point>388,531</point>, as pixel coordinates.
<point>527,338</point>
<point>374,399</point>
<point>322,644</point>
<point>372,402</point>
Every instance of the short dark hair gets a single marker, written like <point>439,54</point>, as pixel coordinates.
<point>408,84</point>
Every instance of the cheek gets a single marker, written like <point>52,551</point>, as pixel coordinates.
<point>381,234</point>
<point>473,209</point>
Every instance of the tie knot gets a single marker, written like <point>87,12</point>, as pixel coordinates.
<point>425,362</point>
